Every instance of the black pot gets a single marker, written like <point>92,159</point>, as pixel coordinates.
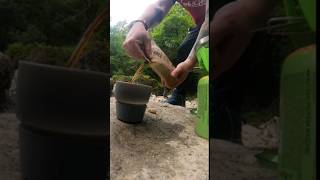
<point>64,130</point>
<point>132,93</point>
<point>130,113</point>
<point>53,156</point>
<point>62,100</point>
<point>131,101</point>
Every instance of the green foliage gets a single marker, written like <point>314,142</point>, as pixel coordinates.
<point>96,55</point>
<point>39,53</point>
<point>48,31</point>
<point>172,30</point>
<point>31,35</point>
<point>120,63</point>
<point>96,58</point>
<point>54,22</point>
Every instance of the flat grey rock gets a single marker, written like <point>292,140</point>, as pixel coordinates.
<point>164,146</point>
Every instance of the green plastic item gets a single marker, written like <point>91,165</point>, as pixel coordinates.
<point>303,33</point>
<point>309,10</point>
<point>203,57</point>
<point>306,8</point>
<point>203,54</point>
<point>202,123</point>
<point>268,159</point>
<point>297,155</point>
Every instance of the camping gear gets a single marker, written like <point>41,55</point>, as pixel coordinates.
<point>130,113</point>
<point>297,158</point>
<point>202,54</point>
<point>306,8</point>
<point>202,123</point>
<point>51,97</point>
<point>297,153</point>
<point>131,101</point>
<point>63,127</point>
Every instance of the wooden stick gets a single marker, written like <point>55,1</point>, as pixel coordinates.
<point>77,53</point>
<point>137,73</point>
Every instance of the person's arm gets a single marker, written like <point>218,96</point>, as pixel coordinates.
<point>260,9</point>
<point>155,12</point>
<point>204,31</point>
<point>231,31</point>
<point>138,42</point>
<point>182,70</point>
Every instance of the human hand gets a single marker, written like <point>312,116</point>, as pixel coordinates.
<point>138,42</point>
<point>182,70</point>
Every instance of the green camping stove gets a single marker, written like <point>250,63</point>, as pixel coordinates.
<point>296,158</point>
<point>297,155</point>
<point>202,124</point>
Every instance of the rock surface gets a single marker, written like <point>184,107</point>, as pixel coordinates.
<point>9,150</point>
<point>164,146</point>
<point>229,161</point>
<point>265,136</point>
<point>7,67</point>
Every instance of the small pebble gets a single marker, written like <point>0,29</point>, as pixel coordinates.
<point>152,110</point>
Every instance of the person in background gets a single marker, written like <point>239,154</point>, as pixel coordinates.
<point>138,43</point>
<point>231,25</point>
<point>231,30</point>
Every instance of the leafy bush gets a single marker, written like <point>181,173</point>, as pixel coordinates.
<point>54,22</point>
<point>95,59</point>
<point>39,53</point>
<point>170,33</point>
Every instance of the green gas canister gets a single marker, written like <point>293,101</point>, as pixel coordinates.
<point>297,155</point>
<point>202,123</point>
<point>297,152</point>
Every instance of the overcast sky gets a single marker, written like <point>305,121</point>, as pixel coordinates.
<point>128,10</point>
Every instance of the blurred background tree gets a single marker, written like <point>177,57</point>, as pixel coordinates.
<point>49,30</point>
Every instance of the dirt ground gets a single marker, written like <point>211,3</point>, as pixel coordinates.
<point>230,161</point>
<point>163,147</point>
<point>9,151</point>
